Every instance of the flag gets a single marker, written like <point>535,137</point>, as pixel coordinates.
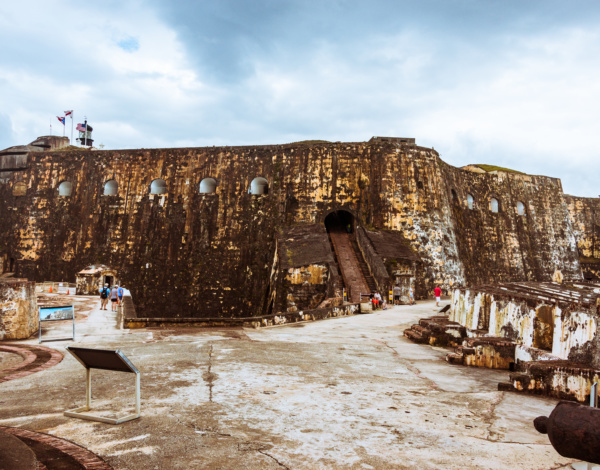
<point>61,119</point>
<point>81,127</point>
<point>69,113</point>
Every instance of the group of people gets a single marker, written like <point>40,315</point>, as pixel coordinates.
<point>437,292</point>
<point>377,302</point>
<point>115,295</point>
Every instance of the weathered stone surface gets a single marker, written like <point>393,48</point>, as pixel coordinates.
<point>561,320</point>
<point>18,309</point>
<point>187,253</point>
<point>585,218</point>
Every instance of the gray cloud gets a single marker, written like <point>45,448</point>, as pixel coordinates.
<point>504,82</point>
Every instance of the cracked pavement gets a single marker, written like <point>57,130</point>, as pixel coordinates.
<point>343,393</point>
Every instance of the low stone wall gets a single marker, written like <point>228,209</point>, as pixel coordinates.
<point>554,378</point>
<point>18,309</point>
<point>539,320</point>
<point>130,320</point>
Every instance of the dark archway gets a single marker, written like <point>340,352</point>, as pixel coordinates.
<point>11,265</point>
<point>339,220</point>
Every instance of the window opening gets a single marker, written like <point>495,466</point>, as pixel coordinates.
<point>65,188</point>
<point>208,186</point>
<point>259,186</point>
<point>470,201</point>
<point>494,205</point>
<point>158,186</point>
<point>520,208</point>
<point>111,188</point>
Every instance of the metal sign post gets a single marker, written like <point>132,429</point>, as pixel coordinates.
<point>56,313</point>
<point>104,359</point>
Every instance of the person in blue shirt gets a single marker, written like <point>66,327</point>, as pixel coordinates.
<point>120,294</point>
<point>104,294</point>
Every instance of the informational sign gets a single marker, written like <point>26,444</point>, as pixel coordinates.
<point>104,359</point>
<point>391,296</point>
<point>56,313</point>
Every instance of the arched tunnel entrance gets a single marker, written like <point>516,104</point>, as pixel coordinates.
<point>353,268</point>
<point>339,221</point>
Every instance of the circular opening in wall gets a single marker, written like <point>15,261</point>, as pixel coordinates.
<point>65,188</point>
<point>111,188</point>
<point>208,186</point>
<point>158,186</point>
<point>259,186</point>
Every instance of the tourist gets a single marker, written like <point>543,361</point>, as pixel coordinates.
<point>104,293</point>
<point>120,293</point>
<point>114,298</point>
<point>397,294</point>
<point>411,296</point>
<point>438,294</point>
<point>377,300</point>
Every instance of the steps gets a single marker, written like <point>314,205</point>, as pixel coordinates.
<point>348,262</point>
<point>418,334</point>
<point>364,267</point>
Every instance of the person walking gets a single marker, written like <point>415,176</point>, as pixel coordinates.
<point>104,293</point>
<point>438,295</point>
<point>114,298</point>
<point>411,295</point>
<point>397,294</point>
<point>120,293</point>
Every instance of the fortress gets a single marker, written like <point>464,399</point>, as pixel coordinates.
<point>230,232</point>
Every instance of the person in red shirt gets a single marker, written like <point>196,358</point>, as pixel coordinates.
<point>438,294</point>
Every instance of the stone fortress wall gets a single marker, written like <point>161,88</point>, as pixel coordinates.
<point>185,253</point>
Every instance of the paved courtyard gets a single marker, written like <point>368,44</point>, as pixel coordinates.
<point>347,393</point>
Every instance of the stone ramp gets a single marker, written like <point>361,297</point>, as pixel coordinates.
<point>349,264</point>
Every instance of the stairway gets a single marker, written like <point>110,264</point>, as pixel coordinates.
<point>348,261</point>
<point>364,267</point>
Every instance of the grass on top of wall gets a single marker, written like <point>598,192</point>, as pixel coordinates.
<point>489,168</point>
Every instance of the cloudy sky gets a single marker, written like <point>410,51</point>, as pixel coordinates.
<point>510,83</point>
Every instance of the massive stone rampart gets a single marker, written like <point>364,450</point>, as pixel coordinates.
<point>585,219</point>
<point>184,253</point>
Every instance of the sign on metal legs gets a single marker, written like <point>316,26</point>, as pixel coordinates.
<point>104,359</point>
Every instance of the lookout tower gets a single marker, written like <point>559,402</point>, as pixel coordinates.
<point>85,134</point>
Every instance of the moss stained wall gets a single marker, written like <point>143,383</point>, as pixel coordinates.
<point>503,246</point>
<point>585,218</point>
<point>191,254</point>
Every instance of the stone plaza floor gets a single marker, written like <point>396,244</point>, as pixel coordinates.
<point>343,393</point>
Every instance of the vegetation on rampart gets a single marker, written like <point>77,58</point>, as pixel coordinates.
<point>490,168</point>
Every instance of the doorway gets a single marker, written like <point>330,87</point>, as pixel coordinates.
<point>108,280</point>
<point>339,221</point>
